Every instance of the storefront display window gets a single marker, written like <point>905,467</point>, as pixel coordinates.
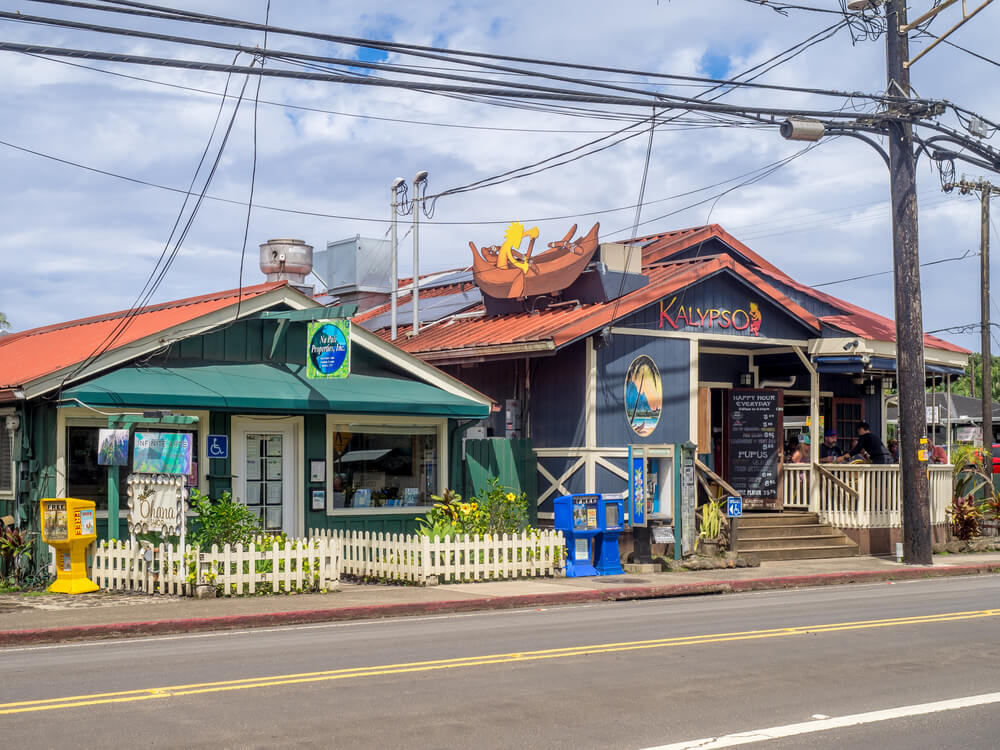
<point>88,480</point>
<point>384,467</point>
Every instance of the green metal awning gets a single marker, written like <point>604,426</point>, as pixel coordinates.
<point>270,387</point>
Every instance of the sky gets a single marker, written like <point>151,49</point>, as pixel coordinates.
<point>76,242</point>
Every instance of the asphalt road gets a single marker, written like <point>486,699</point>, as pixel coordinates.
<point>622,675</point>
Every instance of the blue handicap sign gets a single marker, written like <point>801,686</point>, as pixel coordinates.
<point>218,446</point>
<point>734,507</point>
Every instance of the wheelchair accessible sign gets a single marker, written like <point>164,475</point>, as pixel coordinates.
<point>329,349</point>
<point>218,446</point>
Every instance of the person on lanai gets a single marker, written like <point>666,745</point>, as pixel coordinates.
<point>894,450</point>
<point>829,451</point>
<point>938,455</point>
<point>755,319</point>
<point>869,444</point>
<point>791,446</point>
<point>801,453</point>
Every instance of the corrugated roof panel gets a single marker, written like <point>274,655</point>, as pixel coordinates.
<point>28,355</point>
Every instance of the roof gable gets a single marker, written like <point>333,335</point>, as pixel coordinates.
<point>28,356</point>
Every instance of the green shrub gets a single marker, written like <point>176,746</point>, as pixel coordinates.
<point>223,521</point>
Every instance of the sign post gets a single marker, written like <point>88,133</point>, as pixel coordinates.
<point>734,510</point>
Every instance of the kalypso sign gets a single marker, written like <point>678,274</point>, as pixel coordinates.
<point>677,316</point>
<point>328,349</point>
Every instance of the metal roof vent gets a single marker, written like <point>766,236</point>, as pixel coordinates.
<point>287,260</point>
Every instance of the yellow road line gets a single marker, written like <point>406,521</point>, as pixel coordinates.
<point>128,696</point>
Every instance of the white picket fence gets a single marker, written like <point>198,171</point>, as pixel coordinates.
<point>317,562</point>
<point>298,565</point>
<point>420,559</point>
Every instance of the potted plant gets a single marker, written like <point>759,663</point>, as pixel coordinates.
<point>710,532</point>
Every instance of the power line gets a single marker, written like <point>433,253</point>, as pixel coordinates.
<point>173,14</point>
<point>322,215</point>
<point>318,110</point>
<point>165,261</point>
<point>963,256</point>
<point>253,176</point>
<point>750,112</point>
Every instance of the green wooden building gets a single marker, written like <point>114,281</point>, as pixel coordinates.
<point>227,372</point>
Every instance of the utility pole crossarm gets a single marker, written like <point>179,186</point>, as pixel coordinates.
<point>966,16</point>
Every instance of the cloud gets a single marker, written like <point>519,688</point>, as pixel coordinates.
<point>824,216</point>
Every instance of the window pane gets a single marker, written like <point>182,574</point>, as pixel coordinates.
<point>382,469</point>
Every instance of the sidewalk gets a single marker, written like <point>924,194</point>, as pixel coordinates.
<point>59,617</point>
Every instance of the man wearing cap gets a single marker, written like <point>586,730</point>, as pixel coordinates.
<point>829,452</point>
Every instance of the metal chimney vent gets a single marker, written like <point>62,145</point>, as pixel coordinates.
<point>287,260</point>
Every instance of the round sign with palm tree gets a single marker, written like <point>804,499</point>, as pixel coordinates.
<point>643,395</point>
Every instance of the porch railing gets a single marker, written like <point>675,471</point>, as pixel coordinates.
<point>865,496</point>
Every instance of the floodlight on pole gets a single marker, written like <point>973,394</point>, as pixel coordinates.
<point>398,183</point>
<point>802,129</point>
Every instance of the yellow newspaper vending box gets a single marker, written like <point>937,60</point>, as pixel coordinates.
<point>68,525</point>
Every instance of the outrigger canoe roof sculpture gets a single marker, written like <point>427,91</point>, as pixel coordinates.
<point>502,272</point>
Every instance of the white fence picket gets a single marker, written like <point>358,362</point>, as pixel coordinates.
<point>318,561</point>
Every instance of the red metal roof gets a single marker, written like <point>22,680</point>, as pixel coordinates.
<point>856,321</point>
<point>28,355</point>
<point>667,274</point>
<point>561,325</point>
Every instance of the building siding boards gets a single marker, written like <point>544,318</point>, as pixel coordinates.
<point>558,398</point>
<point>613,360</point>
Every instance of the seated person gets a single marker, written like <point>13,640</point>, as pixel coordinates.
<point>801,453</point>
<point>830,452</point>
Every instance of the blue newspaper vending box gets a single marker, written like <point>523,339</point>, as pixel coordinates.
<point>611,520</point>
<point>576,518</point>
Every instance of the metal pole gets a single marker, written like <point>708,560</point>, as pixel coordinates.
<point>416,262</point>
<point>985,190</point>
<point>395,262</point>
<point>909,323</point>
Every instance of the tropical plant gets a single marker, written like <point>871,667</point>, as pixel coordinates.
<point>223,521</point>
<point>15,546</point>
<point>972,473</point>
<point>965,516</point>
<point>712,518</point>
<point>497,510</point>
<point>500,510</point>
<point>4,324</point>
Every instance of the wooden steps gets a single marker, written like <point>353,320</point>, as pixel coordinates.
<point>791,535</point>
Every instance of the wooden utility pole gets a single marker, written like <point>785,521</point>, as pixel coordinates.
<point>909,314</point>
<point>986,191</point>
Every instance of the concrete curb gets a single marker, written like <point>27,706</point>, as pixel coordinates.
<point>379,611</point>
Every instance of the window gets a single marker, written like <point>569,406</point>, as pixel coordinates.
<point>6,461</point>
<point>848,412</point>
<point>88,480</point>
<point>384,467</point>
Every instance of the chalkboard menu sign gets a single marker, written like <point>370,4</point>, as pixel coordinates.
<point>754,433</point>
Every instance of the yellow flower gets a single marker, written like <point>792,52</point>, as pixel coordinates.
<point>511,497</point>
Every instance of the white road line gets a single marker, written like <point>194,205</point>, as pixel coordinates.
<point>809,727</point>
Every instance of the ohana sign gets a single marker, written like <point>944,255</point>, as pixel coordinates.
<point>677,316</point>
